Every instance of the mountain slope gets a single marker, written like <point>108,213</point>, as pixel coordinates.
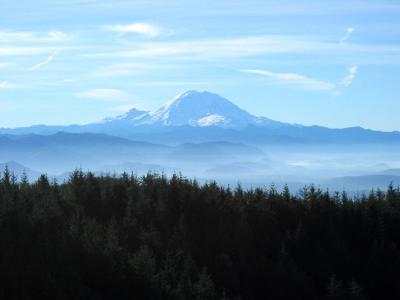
<point>65,151</point>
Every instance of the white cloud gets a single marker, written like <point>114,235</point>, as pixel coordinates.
<point>7,36</point>
<point>347,81</point>
<point>219,48</point>
<point>105,95</point>
<point>139,28</point>
<point>242,47</point>
<point>23,51</point>
<point>304,82</point>
<point>43,63</point>
<point>29,36</point>
<point>3,84</point>
<point>348,33</point>
<point>303,8</point>
<point>7,85</point>
<point>26,43</point>
<point>59,36</point>
<point>296,80</point>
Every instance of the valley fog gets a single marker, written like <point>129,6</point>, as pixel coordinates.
<point>329,167</point>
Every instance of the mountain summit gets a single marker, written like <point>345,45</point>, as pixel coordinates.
<point>198,109</point>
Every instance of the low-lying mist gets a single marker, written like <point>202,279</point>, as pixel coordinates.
<point>350,167</point>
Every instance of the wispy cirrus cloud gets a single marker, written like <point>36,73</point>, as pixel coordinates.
<point>23,51</point>
<point>243,47</point>
<point>30,36</point>
<point>113,95</point>
<point>3,84</point>
<point>349,32</point>
<point>348,80</point>
<point>305,82</point>
<point>7,85</point>
<point>60,36</point>
<point>219,48</point>
<point>7,36</point>
<point>27,43</point>
<point>45,62</point>
<point>138,28</point>
<point>293,79</point>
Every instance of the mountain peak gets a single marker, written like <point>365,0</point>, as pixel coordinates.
<point>193,96</point>
<point>195,108</point>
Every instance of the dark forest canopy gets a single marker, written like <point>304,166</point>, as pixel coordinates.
<point>155,237</point>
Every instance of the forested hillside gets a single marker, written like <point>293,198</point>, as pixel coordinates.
<point>170,238</point>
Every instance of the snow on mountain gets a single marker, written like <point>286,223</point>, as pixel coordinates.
<point>212,120</point>
<point>198,109</point>
<point>129,116</point>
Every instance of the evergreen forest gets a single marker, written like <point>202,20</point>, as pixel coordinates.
<point>158,237</point>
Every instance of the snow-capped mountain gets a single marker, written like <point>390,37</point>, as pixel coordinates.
<point>196,117</point>
<point>197,109</point>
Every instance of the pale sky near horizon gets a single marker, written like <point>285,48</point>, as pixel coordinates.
<point>332,63</point>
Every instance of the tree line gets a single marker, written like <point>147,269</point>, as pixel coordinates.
<point>159,237</point>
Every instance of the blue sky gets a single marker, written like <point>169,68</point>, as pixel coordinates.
<point>332,63</point>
